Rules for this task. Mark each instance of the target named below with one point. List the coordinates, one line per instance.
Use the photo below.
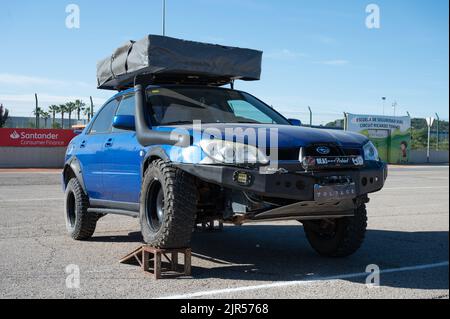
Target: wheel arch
(73, 169)
(153, 155)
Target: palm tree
(62, 110)
(79, 107)
(71, 107)
(45, 116)
(87, 112)
(53, 110)
(4, 113)
(37, 113)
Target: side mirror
(124, 122)
(295, 122)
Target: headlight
(232, 153)
(371, 152)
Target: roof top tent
(164, 60)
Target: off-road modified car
(178, 146)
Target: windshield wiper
(177, 123)
(248, 122)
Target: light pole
(92, 108)
(394, 106)
(345, 121)
(430, 122)
(37, 110)
(437, 128)
(384, 103)
(164, 17)
(310, 116)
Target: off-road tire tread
(180, 206)
(351, 239)
(85, 222)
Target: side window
(103, 122)
(126, 107)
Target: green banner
(390, 134)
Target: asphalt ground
(407, 240)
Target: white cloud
(284, 54)
(26, 80)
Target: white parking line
(29, 200)
(412, 188)
(303, 282)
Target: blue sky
(316, 53)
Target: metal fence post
(36, 111)
(437, 134)
(310, 117)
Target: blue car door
(122, 164)
(91, 151)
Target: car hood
(288, 136)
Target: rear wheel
(339, 237)
(168, 206)
(80, 223)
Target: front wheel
(338, 237)
(168, 206)
(80, 223)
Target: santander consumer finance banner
(35, 138)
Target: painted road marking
(201, 294)
(29, 200)
(412, 188)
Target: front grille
(311, 150)
(352, 151)
(286, 153)
(293, 153)
(335, 150)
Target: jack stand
(145, 253)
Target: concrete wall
(436, 157)
(32, 157)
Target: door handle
(83, 144)
(109, 143)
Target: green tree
(4, 114)
(45, 116)
(53, 110)
(70, 107)
(37, 113)
(63, 111)
(87, 112)
(79, 108)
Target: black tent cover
(165, 60)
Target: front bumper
(293, 182)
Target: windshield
(183, 105)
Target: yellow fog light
(243, 178)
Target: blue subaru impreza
(179, 155)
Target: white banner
(359, 123)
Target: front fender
(73, 168)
